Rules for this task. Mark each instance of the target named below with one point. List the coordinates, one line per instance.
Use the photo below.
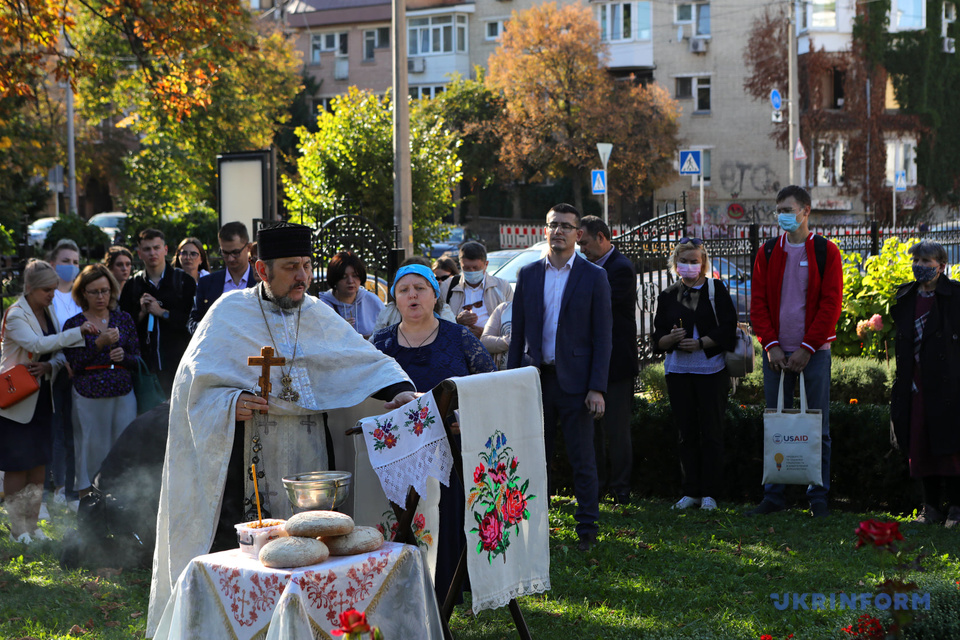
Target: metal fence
(732, 252)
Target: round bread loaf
(316, 524)
(360, 540)
(290, 552)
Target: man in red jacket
(797, 297)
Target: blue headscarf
(420, 270)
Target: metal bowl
(324, 490)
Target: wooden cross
(265, 360)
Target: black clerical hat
(284, 240)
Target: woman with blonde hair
(103, 399)
(31, 336)
(696, 321)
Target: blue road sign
(900, 181)
(598, 178)
(775, 99)
(690, 162)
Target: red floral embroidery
(322, 591)
(248, 598)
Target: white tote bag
(792, 441)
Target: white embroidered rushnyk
(505, 483)
(408, 445)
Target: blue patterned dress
(454, 352)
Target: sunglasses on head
(694, 241)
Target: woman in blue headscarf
(430, 350)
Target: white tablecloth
(231, 595)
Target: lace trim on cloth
(502, 598)
(408, 445)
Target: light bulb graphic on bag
(778, 458)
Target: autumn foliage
(560, 101)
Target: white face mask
(688, 271)
(473, 277)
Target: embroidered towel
(505, 482)
(408, 445)
(372, 509)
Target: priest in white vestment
(216, 429)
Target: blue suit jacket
(624, 361)
(583, 333)
(209, 289)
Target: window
(623, 21)
(907, 15)
(493, 30)
(323, 104)
(824, 14)
(695, 14)
(696, 88)
(904, 154)
(831, 89)
(374, 39)
(426, 91)
(325, 42)
(704, 169)
(436, 34)
(829, 160)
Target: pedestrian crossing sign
(901, 181)
(690, 162)
(598, 178)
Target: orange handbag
(16, 384)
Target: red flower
(424, 412)
(352, 621)
(766, 636)
(478, 474)
(390, 441)
(378, 433)
(880, 534)
(513, 464)
(419, 522)
(418, 428)
(491, 531)
(513, 506)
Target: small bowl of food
(318, 490)
(253, 535)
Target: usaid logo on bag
(787, 439)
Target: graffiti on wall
(736, 176)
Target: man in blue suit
(562, 323)
(235, 249)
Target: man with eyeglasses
(797, 296)
(159, 299)
(562, 323)
(235, 249)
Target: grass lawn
(655, 573)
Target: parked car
(450, 244)
(37, 231)
(738, 283)
(111, 223)
(496, 259)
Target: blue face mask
(788, 221)
(67, 272)
(473, 277)
(924, 273)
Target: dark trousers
(568, 411)
(697, 403)
(936, 488)
(612, 440)
(63, 465)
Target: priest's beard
(285, 302)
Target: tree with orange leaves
(561, 101)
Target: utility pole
(793, 114)
(604, 149)
(71, 153)
(402, 192)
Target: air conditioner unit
(416, 65)
(949, 45)
(698, 45)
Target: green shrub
(653, 382)
(861, 379)
(943, 618)
(93, 242)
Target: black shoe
(765, 508)
(621, 498)
(819, 509)
(586, 542)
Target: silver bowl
(324, 490)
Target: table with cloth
(231, 595)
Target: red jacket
(824, 296)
